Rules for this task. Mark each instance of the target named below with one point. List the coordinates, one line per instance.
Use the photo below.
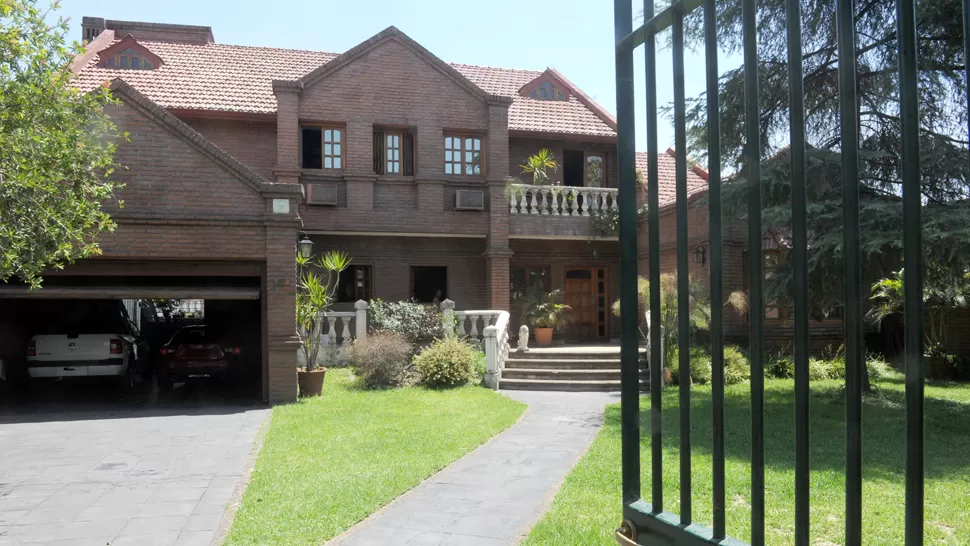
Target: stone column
(497, 251)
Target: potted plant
(545, 312)
(314, 296)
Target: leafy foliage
(418, 323)
(447, 362)
(57, 148)
(941, 295)
(943, 117)
(737, 367)
(538, 166)
(382, 360)
(543, 309)
(700, 308)
(314, 297)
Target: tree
(57, 147)
(945, 182)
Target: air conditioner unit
(469, 200)
(321, 194)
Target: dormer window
(547, 91)
(129, 59)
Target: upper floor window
(547, 91)
(393, 152)
(321, 148)
(129, 59)
(463, 155)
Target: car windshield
(194, 335)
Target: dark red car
(196, 352)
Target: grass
(587, 508)
(329, 462)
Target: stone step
(540, 354)
(575, 364)
(570, 375)
(563, 385)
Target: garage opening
(148, 340)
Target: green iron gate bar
(648, 522)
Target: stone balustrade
(561, 200)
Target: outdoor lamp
(699, 253)
(305, 245)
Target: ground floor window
(355, 284)
(523, 278)
(429, 284)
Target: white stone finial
(523, 338)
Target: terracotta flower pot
(543, 336)
(311, 383)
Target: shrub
(447, 362)
(479, 369)
(418, 323)
(780, 366)
(819, 369)
(382, 359)
(737, 367)
(878, 368)
(700, 366)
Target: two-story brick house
(401, 159)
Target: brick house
(406, 162)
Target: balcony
(529, 204)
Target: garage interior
(229, 302)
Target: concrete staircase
(568, 369)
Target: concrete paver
(141, 477)
(494, 495)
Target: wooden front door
(585, 294)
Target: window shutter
(408, 166)
(378, 152)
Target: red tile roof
(696, 183)
(232, 78)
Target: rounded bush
(819, 369)
(780, 367)
(382, 359)
(700, 366)
(447, 362)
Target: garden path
(495, 494)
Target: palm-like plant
(543, 309)
(314, 296)
(700, 308)
(538, 166)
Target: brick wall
(391, 259)
(252, 142)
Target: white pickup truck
(96, 339)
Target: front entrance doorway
(585, 294)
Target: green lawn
(329, 462)
(587, 508)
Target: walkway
(494, 495)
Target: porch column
(497, 251)
(497, 278)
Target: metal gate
(645, 520)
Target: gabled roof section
(136, 100)
(560, 81)
(667, 168)
(394, 34)
(129, 42)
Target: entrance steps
(595, 368)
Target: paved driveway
(146, 476)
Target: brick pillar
(281, 337)
(287, 131)
(497, 251)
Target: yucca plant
(538, 165)
(315, 294)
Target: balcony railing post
(361, 327)
(491, 357)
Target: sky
(572, 36)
